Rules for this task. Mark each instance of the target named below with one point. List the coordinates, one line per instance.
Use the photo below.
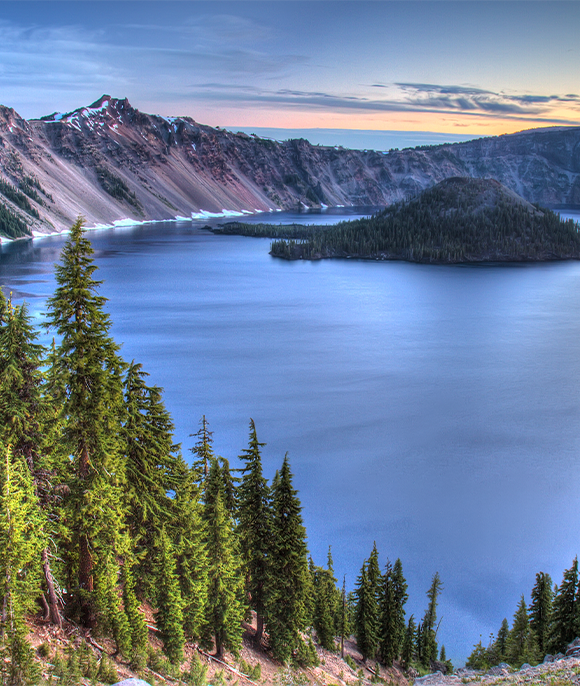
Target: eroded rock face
(108, 161)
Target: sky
(434, 68)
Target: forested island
(130, 557)
(459, 220)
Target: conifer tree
(20, 546)
(169, 615)
(202, 451)
(365, 620)
(388, 636)
(286, 604)
(24, 419)
(110, 615)
(91, 369)
(336, 599)
(428, 626)
(541, 610)
(521, 644)
(225, 610)
(500, 644)
(135, 617)
(189, 533)
(324, 615)
(21, 379)
(255, 527)
(565, 611)
(153, 467)
(409, 644)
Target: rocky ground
(558, 670)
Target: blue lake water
(434, 409)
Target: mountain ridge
(109, 161)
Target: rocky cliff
(110, 161)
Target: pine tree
(135, 617)
(286, 604)
(169, 614)
(91, 372)
(541, 610)
(365, 618)
(224, 611)
(202, 451)
(255, 527)
(24, 419)
(409, 643)
(565, 611)
(189, 533)
(20, 547)
(500, 644)
(521, 644)
(428, 625)
(324, 616)
(388, 637)
(153, 467)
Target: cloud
(468, 99)
(459, 100)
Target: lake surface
(434, 409)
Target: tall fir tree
(190, 536)
(500, 644)
(408, 651)
(429, 649)
(225, 608)
(255, 528)
(153, 466)
(366, 627)
(565, 611)
(521, 643)
(202, 451)
(541, 610)
(90, 369)
(324, 613)
(169, 614)
(286, 604)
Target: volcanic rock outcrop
(109, 162)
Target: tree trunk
(86, 581)
(259, 628)
(54, 614)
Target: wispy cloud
(403, 97)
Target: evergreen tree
(192, 560)
(541, 610)
(428, 625)
(387, 635)
(286, 604)
(169, 615)
(521, 644)
(202, 451)
(153, 467)
(255, 527)
(393, 596)
(110, 616)
(365, 619)
(565, 611)
(24, 419)
(135, 617)
(225, 610)
(21, 406)
(91, 372)
(501, 641)
(324, 617)
(409, 645)
(20, 547)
